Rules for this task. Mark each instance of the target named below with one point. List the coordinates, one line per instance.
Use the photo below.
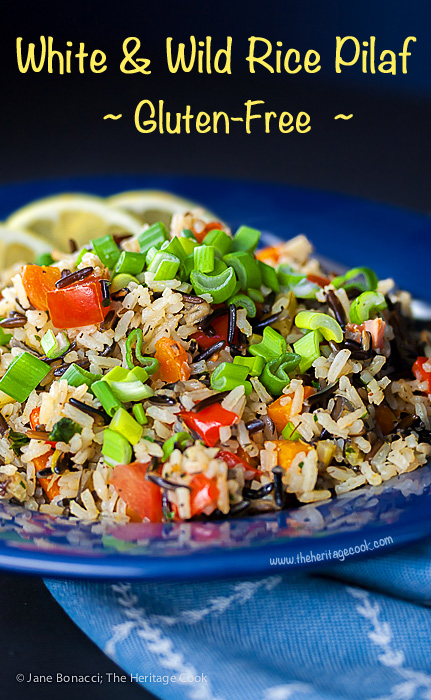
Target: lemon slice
(18, 245)
(65, 216)
(150, 206)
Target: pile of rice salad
(177, 375)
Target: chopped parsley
(64, 430)
(17, 441)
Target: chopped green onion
(75, 376)
(309, 348)
(179, 439)
(256, 295)
(221, 287)
(204, 258)
(149, 255)
(297, 283)
(5, 338)
(44, 259)
(102, 391)
(64, 430)
(174, 247)
(126, 425)
(115, 449)
(153, 236)
(290, 433)
(106, 250)
(254, 365)
(187, 233)
(219, 267)
(228, 376)
(139, 413)
(117, 374)
(272, 345)
(131, 391)
(246, 268)
(188, 245)
(54, 346)
(164, 265)
(275, 375)
(368, 282)
(328, 326)
(149, 363)
(246, 239)
(366, 305)
(130, 263)
(137, 374)
(121, 282)
(244, 302)
(23, 375)
(220, 240)
(269, 276)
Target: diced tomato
(420, 373)
(34, 422)
(280, 412)
(77, 305)
(318, 279)
(174, 365)
(38, 280)
(207, 423)
(232, 460)
(204, 495)
(209, 227)
(40, 463)
(143, 497)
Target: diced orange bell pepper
(40, 463)
(174, 365)
(318, 279)
(287, 451)
(38, 280)
(271, 254)
(280, 413)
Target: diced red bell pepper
(232, 460)
(207, 423)
(220, 326)
(77, 305)
(420, 373)
(38, 280)
(143, 497)
(204, 495)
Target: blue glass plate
(350, 231)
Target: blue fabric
(357, 631)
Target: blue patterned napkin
(357, 630)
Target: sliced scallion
(366, 305)
(130, 263)
(328, 326)
(102, 391)
(23, 375)
(75, 376)
(254, 365)
(228, 376)
(126, 425)
(203, 257)
(106, 250)
(153, 236)
(139, 413)
(272, 345)
(164, 266)
(221, 287)
(116, 449)
(54, 345)
(309, 348)
(246, 239)
(131, 391)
